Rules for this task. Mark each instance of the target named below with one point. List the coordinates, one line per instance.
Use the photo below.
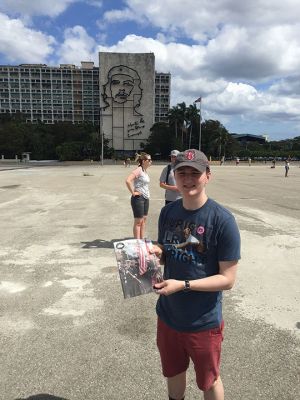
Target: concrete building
(162, 96)
(51, 94)
(70, 93)
(245, 138)
(127, 98)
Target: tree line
(61, 141)
(66, 141)
(183, 132)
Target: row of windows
(59, 71)
(11, 80)
(62, 93)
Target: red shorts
(204, 348)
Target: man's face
(173, 159)
(191, 182)
(121, 86)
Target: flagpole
(199, 100)
(200, 127)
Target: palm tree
(174, 116)
(221, 139)
(183, 121)
(192, 117)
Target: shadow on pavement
(42, 396)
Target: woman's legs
(140, 207)
(143, 227)
(138, 228)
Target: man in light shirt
(168, 182)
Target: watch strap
(187, 286)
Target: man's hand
(168, 287)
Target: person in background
(199, 244)
(167, 180)
(287, 167)
(138, 185)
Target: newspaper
(139, 269)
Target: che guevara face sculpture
(123, 84)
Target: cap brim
(200, 168)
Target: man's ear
(208, 176)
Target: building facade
(127, 94)
(162, 96)
(72, 94)
(51, 94)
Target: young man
(199, 242)
(167, 180)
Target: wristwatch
(187, 286)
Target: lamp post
(102, 138)
(200, 129)
(101, 133)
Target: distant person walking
(237, 161)
(287, 167)
(138, 185)
(273, 163)
(168, 182)
(249, 161)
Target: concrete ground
(65, 329)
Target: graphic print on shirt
(185, 242)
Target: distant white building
(162, 96)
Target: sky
(241, 57)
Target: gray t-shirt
(170, 195)
(141, 182)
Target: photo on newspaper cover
(139, 270)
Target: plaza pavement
(65, 329)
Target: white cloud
(254, 55)
(289, 86)
(223, 97)
(243, 58)
(126, 14)
(35, 7)
(22, 44)
(240, 40)
(95, 3)
(203, 18)
(166, 54)
(77, 46)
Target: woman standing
(138, 185)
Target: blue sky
(242, 58)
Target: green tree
(176, 119)
(193, 121)
(71, 151)
(12, 137)
(161, 140)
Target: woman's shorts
(203, 347)
(140, 206)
